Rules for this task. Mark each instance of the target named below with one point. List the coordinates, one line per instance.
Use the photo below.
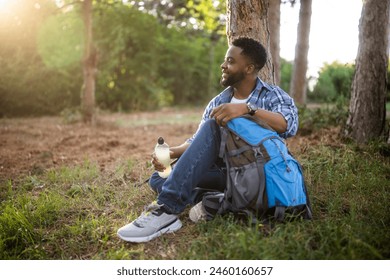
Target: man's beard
(232, 79)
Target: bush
(333, 84)
(311, 120)
(286, 73)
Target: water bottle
(163, 155)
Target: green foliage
(60, 40)
(142, 64)
(286, 68)
(27, 85)
(207, 14)
(128, 66)
(333, 84)
(191, 15)
(311, 120)
(156, 67)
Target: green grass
(74, 212)
(350, 194)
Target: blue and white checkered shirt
(264, 96)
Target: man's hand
(225, 112)
(175, 152)
(158, 166)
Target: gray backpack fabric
(263, 179)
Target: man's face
(234, 67)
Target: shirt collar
(226, 94)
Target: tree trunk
(89, 67)
(274, 28)
(298, 84)
(211, 82)
(367, 111)
(388, 139)
(249, 18)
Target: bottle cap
(160, 140)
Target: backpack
(263, 179)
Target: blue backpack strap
(258, 121)
(251, 130)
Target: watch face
(252, 109)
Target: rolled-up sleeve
(270, 98)
(281, 102)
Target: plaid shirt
(265, 96)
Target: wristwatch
(251, 108)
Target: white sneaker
(197, 213)
(153, 222)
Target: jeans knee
(212, 126)
(211, 122)
(156, 182)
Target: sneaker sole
(171, 228)
(197, 213)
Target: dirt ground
(28, 146)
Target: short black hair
(252, 49)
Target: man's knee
(211, 122)
(156, 182)
(212, 125)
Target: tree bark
(298, 84)
(89, 67)
(249, 18)
(274, 28)
(367, 111)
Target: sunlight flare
(4, 4)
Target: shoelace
(152, 206)
(146, 214)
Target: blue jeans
(199, 168)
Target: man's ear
(250, 69)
